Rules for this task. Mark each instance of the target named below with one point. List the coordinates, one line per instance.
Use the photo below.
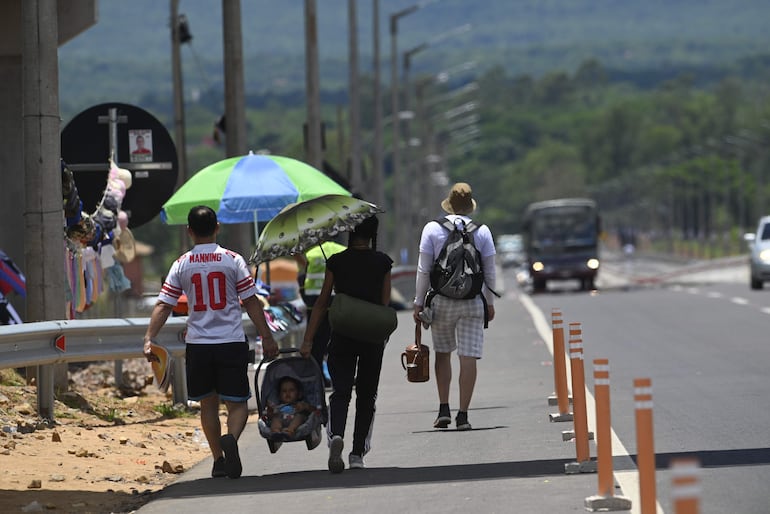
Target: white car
(510, 250)
(759, 258)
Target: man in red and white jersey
(216, 281)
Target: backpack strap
(486, 309)
(445, 222)
(450, 226)
(469, 228)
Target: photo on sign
(140, 145)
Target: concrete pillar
(43, 216)
(69, 19)
(12, 167)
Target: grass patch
(9, 377)
(169, 410)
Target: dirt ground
(108, 450)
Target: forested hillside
(127, 53)
(658, 110)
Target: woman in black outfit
(363, 272)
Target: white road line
(628, 480)
(714, 294)
(766, 310)
(739, 300)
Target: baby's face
(288, 392)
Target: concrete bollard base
(573, 468)
(553, 400)
(607, 503)
(557, 418)
(569, 435)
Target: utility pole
(44, 217)
(235, 108)
(355, 100)
(179, 116)
(312, 93)
(235, 117)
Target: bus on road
(561, 240)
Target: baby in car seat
(288, 415)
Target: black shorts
(218, 368)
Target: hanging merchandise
(11, 281)
(124, 244)
(11, 277)
(97, 242)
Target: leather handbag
(416, 359)
(361, 320)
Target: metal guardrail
(35, 344)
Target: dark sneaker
(219, 468)
(443, 420)
(336, 464)
(462, 421)
(232, 459)
(355, 461)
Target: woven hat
(125, 246)
(460, 200)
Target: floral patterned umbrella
(301, 226)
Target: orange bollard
(584, 463)
(559, 369)
(605, 500)
(645, 449)
(685, 485)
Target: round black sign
(142, 145)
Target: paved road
(512, 461)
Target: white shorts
(458, 325)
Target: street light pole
(394, 109)
(355, 99)
(408, 218)
(379, 182)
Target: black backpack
(457, 271)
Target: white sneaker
(336, 464)
(355, 461)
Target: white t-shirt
(434, 235)
(432, 240)
(214, 279)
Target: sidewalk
(512, 461)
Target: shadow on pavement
(374, 477)
(370, 477)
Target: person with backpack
(455, 296)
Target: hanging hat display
(125, 246)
